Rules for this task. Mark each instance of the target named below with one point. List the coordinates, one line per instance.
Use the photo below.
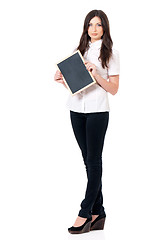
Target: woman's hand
(92, 68)
(59, 78)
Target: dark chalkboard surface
(75, 74)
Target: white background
(42, 175)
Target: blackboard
(76, 76)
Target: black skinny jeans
(90, 130)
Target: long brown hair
(107, 43)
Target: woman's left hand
(91, 67)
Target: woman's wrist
(101, 81)
(96, 76)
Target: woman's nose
(94, 28)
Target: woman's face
(95, 29)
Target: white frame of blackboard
(94, 81)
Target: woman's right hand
(58, 77)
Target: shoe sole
(99, 225)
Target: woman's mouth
(94, 34)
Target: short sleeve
(114, 63)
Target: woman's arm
(110, 86)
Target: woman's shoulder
(115, 55)
(114, 63)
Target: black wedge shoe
(98, 223)
(81, 229)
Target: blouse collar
(96, 44)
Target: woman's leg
(96, 126)
(97, 206)
(78, 121)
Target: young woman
(89, 113)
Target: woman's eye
(99, 25)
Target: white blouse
(95, 98)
